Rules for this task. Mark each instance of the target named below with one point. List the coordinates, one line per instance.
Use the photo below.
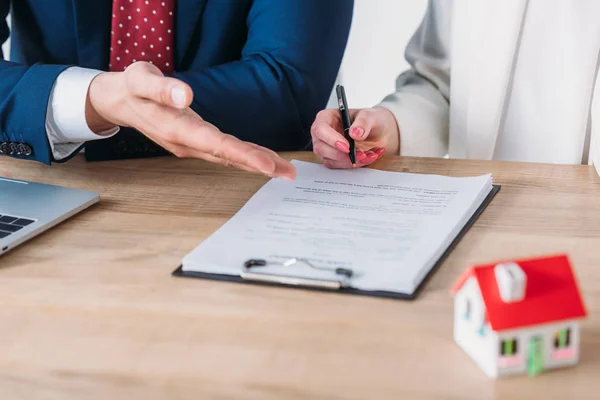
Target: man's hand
(142, 98)
(374, 131)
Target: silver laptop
(28, 209)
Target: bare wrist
(391, 126)
(96, 122)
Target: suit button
(120, 147)
(13, 148)
(4, 148)
(24, 149)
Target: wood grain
(89, 310)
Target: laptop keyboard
(10, 224)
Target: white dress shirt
(66, 124)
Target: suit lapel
(491, 72)
(93, 21)
(186, 21)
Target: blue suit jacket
(260, 69)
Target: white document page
(388, 227)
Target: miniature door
(535, 356)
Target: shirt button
(13, 148)
(4, 148)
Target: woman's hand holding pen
(374, 131)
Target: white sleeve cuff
(66, 124)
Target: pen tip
(353, 165)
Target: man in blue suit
(140, 78)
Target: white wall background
(375, 53)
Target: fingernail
(178, 96)
(358, 132)
(341, 146)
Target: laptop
(28, 209)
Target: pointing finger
(230, 148)
(187, 135)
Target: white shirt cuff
(66, 124)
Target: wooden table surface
(90, 310)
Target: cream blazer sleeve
(421, 100)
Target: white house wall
(480, 348)
(546, 332)
(485, 350)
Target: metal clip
(249, 273)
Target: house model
(519, 317)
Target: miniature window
(508, 347)
(468, 309)
(562, 338)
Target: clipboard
(342, 285)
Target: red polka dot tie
(142, 30)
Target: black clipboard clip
(250, 273)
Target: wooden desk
(90, 310)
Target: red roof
(551, 294)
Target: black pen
(345, 113)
